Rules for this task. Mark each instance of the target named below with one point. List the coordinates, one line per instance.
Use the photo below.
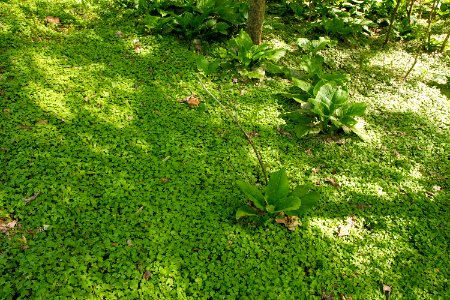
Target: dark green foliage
(138, 192)
(250, 59)
(206, 18)
(327, 111)
(242, 49)
(277, 197)
(312, 70)
(207, 67)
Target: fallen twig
(33, 197)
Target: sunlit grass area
(112, 188)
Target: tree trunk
(255, 20)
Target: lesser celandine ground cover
(110, 188)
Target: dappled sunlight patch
(51, 101)
(116, 115)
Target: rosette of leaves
(277, 198)
(206, 18)
(315, 46)
(328, 111)
(249, 56)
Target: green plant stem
(430, 19)
(444, 43)
(236, 121)
(410, 9)
(416, 58)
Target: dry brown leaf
(164, 180)
(290, 222)
(42, 122)
(309, 152)
(33, 197)
(252, 134)
(386, 288)
(119, 34)
(332, 181)
(315, 170)
(197, 45)
(53, 20)
(137, 48)
(437, 188)
(193, 101)
(147, 275)
(5, 227)
(26, 127)
(429, 194)
(344, 230)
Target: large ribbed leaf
(245, 211)
(326, 93)
(308, 201)
(291, 202)
(253, 194)
(278, 187)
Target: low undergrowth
(111, 188)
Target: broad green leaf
(303, 85)
(245, 211)
(202, 64)
(278, 187)
(301, 190)
(275, 54)
(305, 44)
(222, 27)
(356, 109)
(348, 121)
(275, 68)
(337, 77)
(151, 22)
(308, 201)
(319, 108)
(336, 122)
(312, 64)
(301, 130)
(288, 203)
(340, 97)
(207, 67)
(294, 116)
(253, 194)
(326, 93)
(361, 133)
(318, 85)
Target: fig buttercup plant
(277, 198)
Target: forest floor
(111, 188)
